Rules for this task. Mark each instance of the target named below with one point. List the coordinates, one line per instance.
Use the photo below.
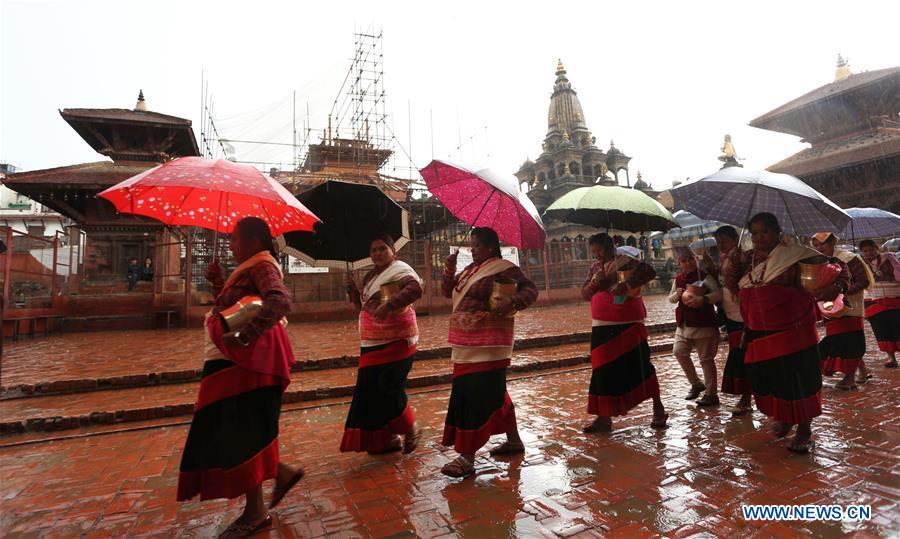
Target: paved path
(690, 479)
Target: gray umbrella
(870, 223)
(689, 225)
(891, 245)
(733, 195)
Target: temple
(570, 158)
(133, 140)
(853, 128)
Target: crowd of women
(770, 319)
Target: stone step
(61, 412)
(180, 376)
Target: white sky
(665, 80)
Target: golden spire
(843, 69)
(140, 106)
(560, 68)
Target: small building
(19, 212)
(853, 128)
(132, 140)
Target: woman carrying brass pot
(232, 446)
(481, 337)
(388, 333)
(622, 375)
(844, 345)
(882, 301)
(781, 351)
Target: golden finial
(560, 68)
(140, 106)
(843, 69)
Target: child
(697, 328)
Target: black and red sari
(380, 410)
(844, 345)
(472, 421)
(782, 352)
(883, 315)
(734, 376)
(622, 375)
(232, 445)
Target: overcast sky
(665, 80)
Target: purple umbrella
(733, 195)
(870, 223)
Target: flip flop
(737, 411)
(458, 467)
(508, 448)
(237, 531)
(891, 364)
(801, 448)
(845, 386)
(411, 441)
(602, 426)
(281, 490)
(864, 379)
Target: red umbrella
(193, 191)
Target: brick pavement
(121, 353)
(686, 481)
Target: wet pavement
(121, 353)
(689, 480)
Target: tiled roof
(854, 81)
(124, 115)
(868, 146)
(97, 174)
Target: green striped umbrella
(608, 207)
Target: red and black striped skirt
(734, 377)
(784, 370)
(380, 410)
(623, 376)
(479, 405)
(884, 317)
(844, 345)
(232, 445)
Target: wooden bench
(32, 324)
(168, 314)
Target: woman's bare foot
(780, 429)
(411, 440)
(287, 477)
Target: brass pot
(503, 288)
(623, 277)
(815, 273)
(236, 316)
(389, 291)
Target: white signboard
(295, 265)
(465, 256)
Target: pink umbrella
(486, 198)
(193, 191)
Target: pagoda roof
(96, 175)
(782, 118)
(845, 151)
(169, 136)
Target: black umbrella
(351, 214)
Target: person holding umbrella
(844, 344)
(379, 412)
(781, 341)
(882, 300)
(623, 376)
(232, 445)
(481, 336)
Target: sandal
(411, 440)
(863, 378)
(739, 410)
(659, 421)
(239, 529)
(708, 400)
(458, 467)
(802, 447)
(280, 491)
(508, 448)
(598, 426)
(892, 364)
(845, 386)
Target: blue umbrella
(870, 223)
(733, 195)
(689, 225)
